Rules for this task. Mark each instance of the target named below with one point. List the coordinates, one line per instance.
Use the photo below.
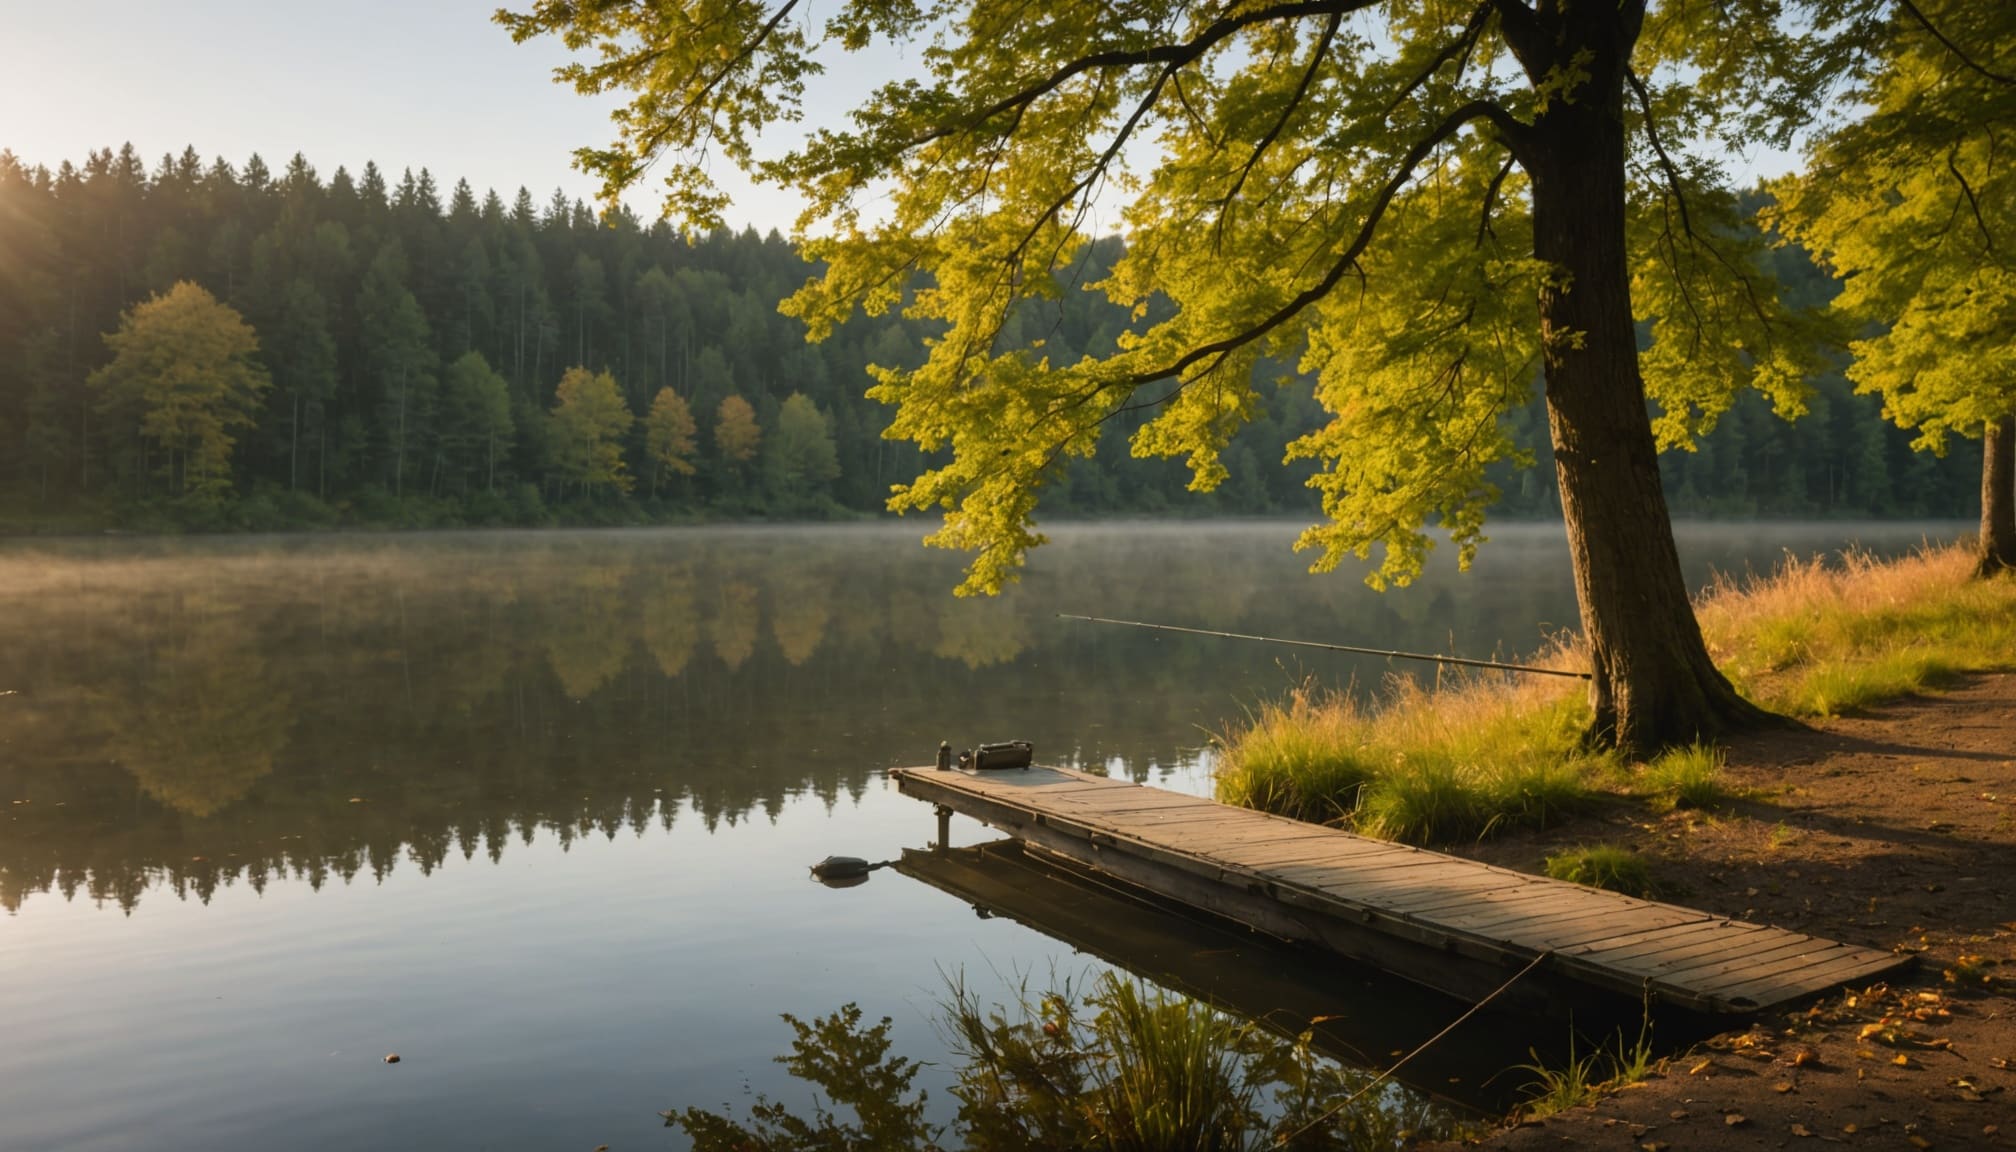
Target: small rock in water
(392, 1058)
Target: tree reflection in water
(197, 713)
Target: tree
(1914, 208)
(801, 459)
(303, 358)
(398, 349)
(1422, 205)
(187, 366)
(669, 434)
(476, 423)
(736, 434)
(588, 422)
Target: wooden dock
(1454, 924)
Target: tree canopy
(1427, 207)
(1299, 148)
(589, 421)
(83, 243)
(185, 375)
(1914, 209)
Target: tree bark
(1653, 683)
(1998, 497)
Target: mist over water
(533, 809)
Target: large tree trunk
(1998, 500)
(1653, 685)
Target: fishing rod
(1390, 654)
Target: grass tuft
(1584, 1079)
(1429, 765)
(1603, 866)
(1687, 777)
(1300, 758)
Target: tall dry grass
(1423, 764)
(1475, 754)
(1819, 637)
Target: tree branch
(1280, 122)
(1958, 53)
(1218, 350)
(1171, 55)
(1973, 203)
(1680, 199)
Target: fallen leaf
(1802, 1056)
(1902, 1061)
(1800, 1130)
(1782, 1086)
(1735, 1119)
(1848, 1129)
(1919, 1142)
(1703, 1066)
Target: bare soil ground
(1895, 829)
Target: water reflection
(215, 712)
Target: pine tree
(398, 351)
(476, 424)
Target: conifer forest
(384, 351)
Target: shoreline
(1893, 828)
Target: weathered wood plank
(1792, 986)
(1710, 937)
(1328, 886)
(1678, 963)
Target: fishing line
(1390, 654)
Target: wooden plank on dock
(1322, 884)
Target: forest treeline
(413, 356)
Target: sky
(428, 83)
(420, 83)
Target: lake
(534, 810)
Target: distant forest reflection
(193, 714)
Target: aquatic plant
(1580, 1080)
(1125, 1067)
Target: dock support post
(944, 831)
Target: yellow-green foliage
(1818, 637)
(1911, 205)
(589, 422)
(1603, 866)
(185, 374)
(1428, 765)
(1342, 190)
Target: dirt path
(1897, 830)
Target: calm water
(534, 810)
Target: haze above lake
(534, 809)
